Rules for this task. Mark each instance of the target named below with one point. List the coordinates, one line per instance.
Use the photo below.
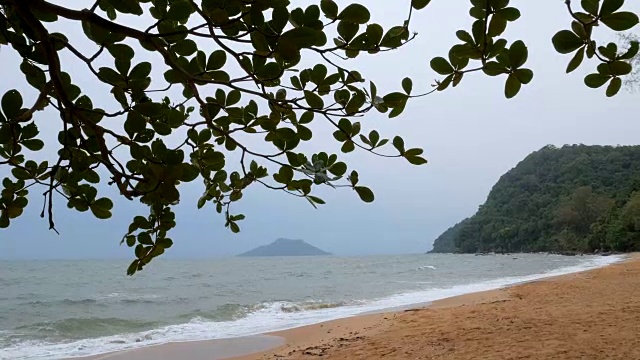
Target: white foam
(268, 318)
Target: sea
(61, 309)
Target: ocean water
(60, 309)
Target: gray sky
(471, 136)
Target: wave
(79, 328)
(103, 300)
(251, 319)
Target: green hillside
(572, 199)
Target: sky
(471, 135)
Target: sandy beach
(588, 315)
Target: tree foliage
(573, 199)
(632, 81)
(237, 65)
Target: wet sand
(589, 315)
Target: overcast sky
(471, 136)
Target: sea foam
(270, 317)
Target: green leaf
(216, 60)
(329, 9)
(419, 4)
(355, 13)
(620, 21)
(576, 60)
(398, 143)
(365, 193)
(185, 47)
(441, 66)
(100, 213)
(566, 42)
(591, 6)
(518, 54)
(416, 160)
(374, 33)
(33, 144)
(141, 70)
(127, 6)
(634, 47)
(610, 6)
(614, 87)
(509, 14)
(164, 243)
(11, 103)
(620, 68)
(596, 80)
(179, 11)
(104, 203)
(524, 75)
(407, 85)
(512, 86)
(313, 99)
(110, 76)
(497, 26)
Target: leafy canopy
(245, 83)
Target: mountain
(286, 247)
(576, 199)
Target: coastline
(321, 338)
(592, 314)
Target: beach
(592, 314)
(588, 315)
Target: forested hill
(572, 199)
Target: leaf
(620, 21)
(441, 66)
(11, 103)
(620, 68)
(512, 86)
(104, 203)
(407, 85)
(355, 13)
(127, 6)
(216, 60)
(497, 26)
(634, 47)
(179, 10)
(566, 42)
(510, 13)
(365, 193)
(610, 6)
(100, 213)
(164, 243)
(141, 70)
(524, 75)
(518, 54)
(329, 9)
(313, 99)
(302, 37)
(416, 160)
(576, 60)
(614, 87)
(591, 6)
(33, 144)
(419, 4)
(185, 47)
(374, 33)
(398, 143)
(596, 80)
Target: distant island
(285, 247)
(574, 199)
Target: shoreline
(462, 327)
(351, 326)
